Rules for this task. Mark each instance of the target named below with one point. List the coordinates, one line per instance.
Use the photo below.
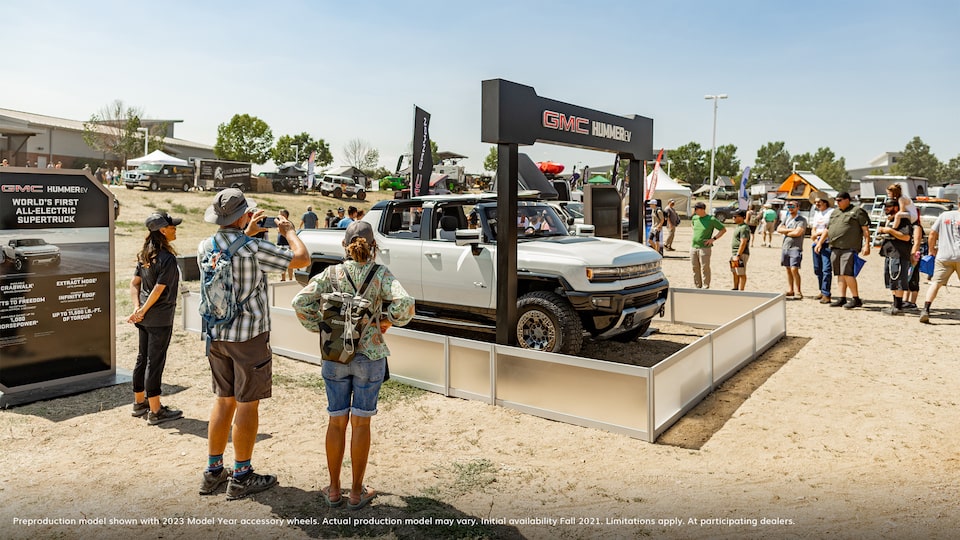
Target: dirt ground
(842, 430)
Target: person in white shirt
(822, 208)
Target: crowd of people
(238, 347)
(840, 237)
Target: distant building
(38, 140)
(878, 165)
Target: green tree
(377, 172)
(951, 170)
(824, 163)
(490, 162)
(114, 129)
(773, 163)
(725, 162)
(434, 151)
(298, 147)
(917, 160)
(244, 138)
(689, 163)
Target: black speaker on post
(602, 207)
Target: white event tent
(667, 189)
(157, 156)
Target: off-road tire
(546, 321)
(19, 264)
(361, 195)
(337, 193)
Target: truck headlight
(617, 273)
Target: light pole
(146, 139)
(296, 153)
(713, 145)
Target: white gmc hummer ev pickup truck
(443, 250)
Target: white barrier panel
(638, 401)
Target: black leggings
(151, 358)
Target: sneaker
(251, 483)
(165, 414)
(909, 305)
(825, 300)
(924, 316)
(211, 481)
(140, 409)
(837, 302)
(891, 310)
(853, 303)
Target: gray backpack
(344, 316)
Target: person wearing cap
(740, 246)
(821, 260)
(335, 219)
(153, 290)
(352, 389)
(896, 235)
(351, 217)
(672, 221)
(793, 229)
(309, 219)
(655, 236)
(239, 352)
(704, 226)
(848, 231)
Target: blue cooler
(926, 265)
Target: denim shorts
(791, 257)
(353, 388)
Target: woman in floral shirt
(352, 389)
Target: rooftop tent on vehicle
(291, 170)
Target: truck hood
(590, 251)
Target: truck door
(400, 247)
(452, 274)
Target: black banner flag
(422, 153)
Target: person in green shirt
(703, 239)
(741, 250)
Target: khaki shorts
(242, 370)
(742, 269)
(768, 226)
(942, 270)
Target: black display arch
(513, 114)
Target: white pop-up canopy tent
(667, 189)
(157, 156)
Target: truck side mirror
(466, 237)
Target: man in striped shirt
(239, 353)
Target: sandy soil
(842, 430)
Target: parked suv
(930, 211)
(724, 213)
(157, 176)
(340, 186)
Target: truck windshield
(150, 167)
(31, 242)
(533, 221)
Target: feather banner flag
(311, 163)
(743, 197)
(652, 186)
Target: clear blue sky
(862, 77)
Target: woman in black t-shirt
(153, 290)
